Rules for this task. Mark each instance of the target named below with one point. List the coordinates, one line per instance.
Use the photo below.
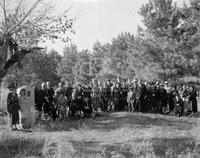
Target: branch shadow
(138, 148)
(112, 121)
(173, 146)
(21, 147)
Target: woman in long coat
(116, 96)
(13, 107)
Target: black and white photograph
(99, 78)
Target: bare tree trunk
(2, 96)
(1, 104)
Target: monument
(27, 105)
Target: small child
(178, 106)
(130, 100)
(62, 105)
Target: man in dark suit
(50, 99)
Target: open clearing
(111, 135)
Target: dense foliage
(166, 48)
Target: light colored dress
(130, 97)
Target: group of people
(95, 97)
(108, 96)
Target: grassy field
(113, 135)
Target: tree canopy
(166, 48)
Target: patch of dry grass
(127, 135)
(111, 135)
(19, 144)
(20, 147)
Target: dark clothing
(87, 92)
(116, 92)
(116, 98)
(87, 110)
(172, 97)
(77, 103)
(124, 97)
(193, 99)
(50, 103)
(162, 99)
(87, 104)
(50, 95)
(140, 98)
(148, 99)
(79, 94)
(81, 102)
(45, 106)
(154, 97)
(178, 107)
(13, 107)
(39, 99)
(68, 94)
(184, 93)
(105, 97)
(96, 98)
(106, 92)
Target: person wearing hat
(13, 107)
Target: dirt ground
(112, 135)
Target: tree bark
(1, 79)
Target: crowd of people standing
(135, 96)
(95, 97)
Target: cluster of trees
(22, 25)
(167, 47)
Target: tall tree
(174, 32)
(23, 23)
(68, 62)
(36, 68)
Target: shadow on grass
(96, 149)
(176, 146)
(20, 147)
(112, 121)
(137, 148)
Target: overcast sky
(101, 20)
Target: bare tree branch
(14, 17)
(25, 16)
(35, 21)
(5, 13)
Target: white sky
(101, 20)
